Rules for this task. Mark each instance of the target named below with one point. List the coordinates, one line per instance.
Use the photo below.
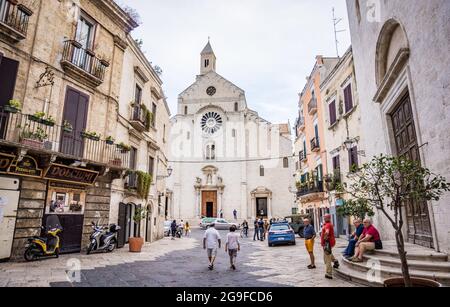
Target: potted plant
(123, 147)
(13, 106)
(33, 138)
(90, 135)
(109, 140)
(49, 121)
(136, 243)
(388, 184)
(67, 127)
(37, 117)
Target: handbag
(327, 248)
(378, 244)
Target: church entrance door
(261, 207)
(209, 203)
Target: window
(206, 62)
(236, 107)
(353, 158)
(332, 109)
(319, 170)
(336, 163)
(210, 152)
(348, 98)
(304, 149)
(151, 166)
(185, 110)
(261, 171)
(164, 133)
(154, 115)
(233, 133)
(138, 95)
(132, 177)
(285, 163)
(85, 32)
(296, 166)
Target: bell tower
(208, 60)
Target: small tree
(139, 215)
(389, 184)
(356, 208)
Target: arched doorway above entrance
(261, 198)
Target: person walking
(261, 229)
(256, 234)
(328, 241)
(173, 228)
(266, 228)
(310, 235)
(232, 246)
(235, 214)
(221, 213)
(245, 228)
(211, 242)
(187, 229)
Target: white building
(401, 63)
(224, 156)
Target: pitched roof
(208, 49)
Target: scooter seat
(41, 238)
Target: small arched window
(285, 162)
(236, 107)
(185, 110)
(261, 171)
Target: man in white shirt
(211, 242)
(232, 246)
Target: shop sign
(64, 173)
(65, 185)
(27, 167)
(5, 162)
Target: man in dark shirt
(310, 235)
(256, 234)
(350, 250)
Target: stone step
(421, 255)
(389, 271)
(424, 265)
(356, 277)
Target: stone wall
(29, 213)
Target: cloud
(266, 47)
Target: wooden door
(209, 203)
(417, 215)
(122, 223)
(75, 112)
(8, 76)
(261, 207)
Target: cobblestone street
(180, 262)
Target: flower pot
(135, 244)
(11, 109)
(48, 123)
(399, 282)
(109, 142)
(35, 118)
(68, 129)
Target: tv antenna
(336, 22)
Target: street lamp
(169, 173)
(348, 144)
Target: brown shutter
(332, 108)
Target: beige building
(342, 131)
(61, 68)
(401, 61)
(310, 147)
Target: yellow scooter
(39, 247)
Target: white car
(223, 224)
(167, 228)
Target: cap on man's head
(327, 217)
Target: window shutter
(332, 108)
(348, 98)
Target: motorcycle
(179, 232)
(103, 240)
(48, 245)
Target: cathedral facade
(226, 159)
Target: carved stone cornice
(120, 43)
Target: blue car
(281, 233)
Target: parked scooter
(179, 232)
(48, 245)
(103, 240)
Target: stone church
(225, 157)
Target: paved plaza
(180, 262)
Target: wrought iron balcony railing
(315, 144)
(83, 63)
(317, 187)
(32, 133)
(14, 19)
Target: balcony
(311, 191)
(140, 118)
(312, 106)
(38, 135)
(315, 144)
(302, 156)
(332, 181)
(300, 125)
(14, 20)
(82, 63)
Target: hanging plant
(90, 135)
(67, 127)
(143, 184)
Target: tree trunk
(404, 262)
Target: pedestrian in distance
(256, 234)
(310, 235)
(261, 229)
(235, 214)
(221, 213)
(173, 229)
(266, 228)
(232, 246)
(328, 242)
(245, 228)
(211, 242)
(187, 229)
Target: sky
(265, 47)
